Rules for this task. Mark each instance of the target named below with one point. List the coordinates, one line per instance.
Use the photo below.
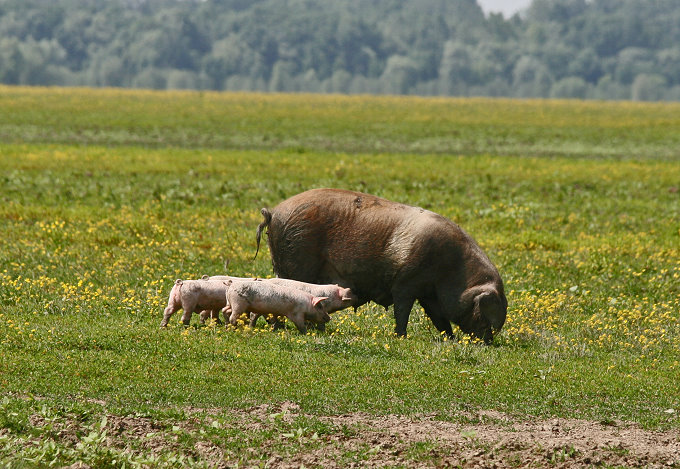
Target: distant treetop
(599, 49)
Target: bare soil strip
(497, 442)
(492, 440)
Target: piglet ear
(318, 299)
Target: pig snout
(320, 309)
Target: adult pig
(389, 253)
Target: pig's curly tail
(265, 224)
(176, 293)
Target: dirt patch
(497, 441)
(358, 440)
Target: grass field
(108, 196)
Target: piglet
(338, 297)
(214, 314)
(206, 296)
(267, 298)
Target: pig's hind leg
(212, 314)
(238, 307)
(189, 308)
(171, 309)
(215, 314)
(204, 315)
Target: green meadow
(108, 196)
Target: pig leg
(169, 311)
(402, 310)
(239, 307)
(434, 312)
(188, 307)
(174, 303)
(273, 321)
(226, 311)
(235, 314)
(204, 315)
(212, 314)
(449, 302)
(299, 321)
(277, 323)
(215, 314)
(253, 319)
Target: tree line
(597, 49)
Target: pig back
(360, 241)
(265, 297)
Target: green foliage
(424, 47)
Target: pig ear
(318, 299)
(491, 306)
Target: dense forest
(598, 49)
